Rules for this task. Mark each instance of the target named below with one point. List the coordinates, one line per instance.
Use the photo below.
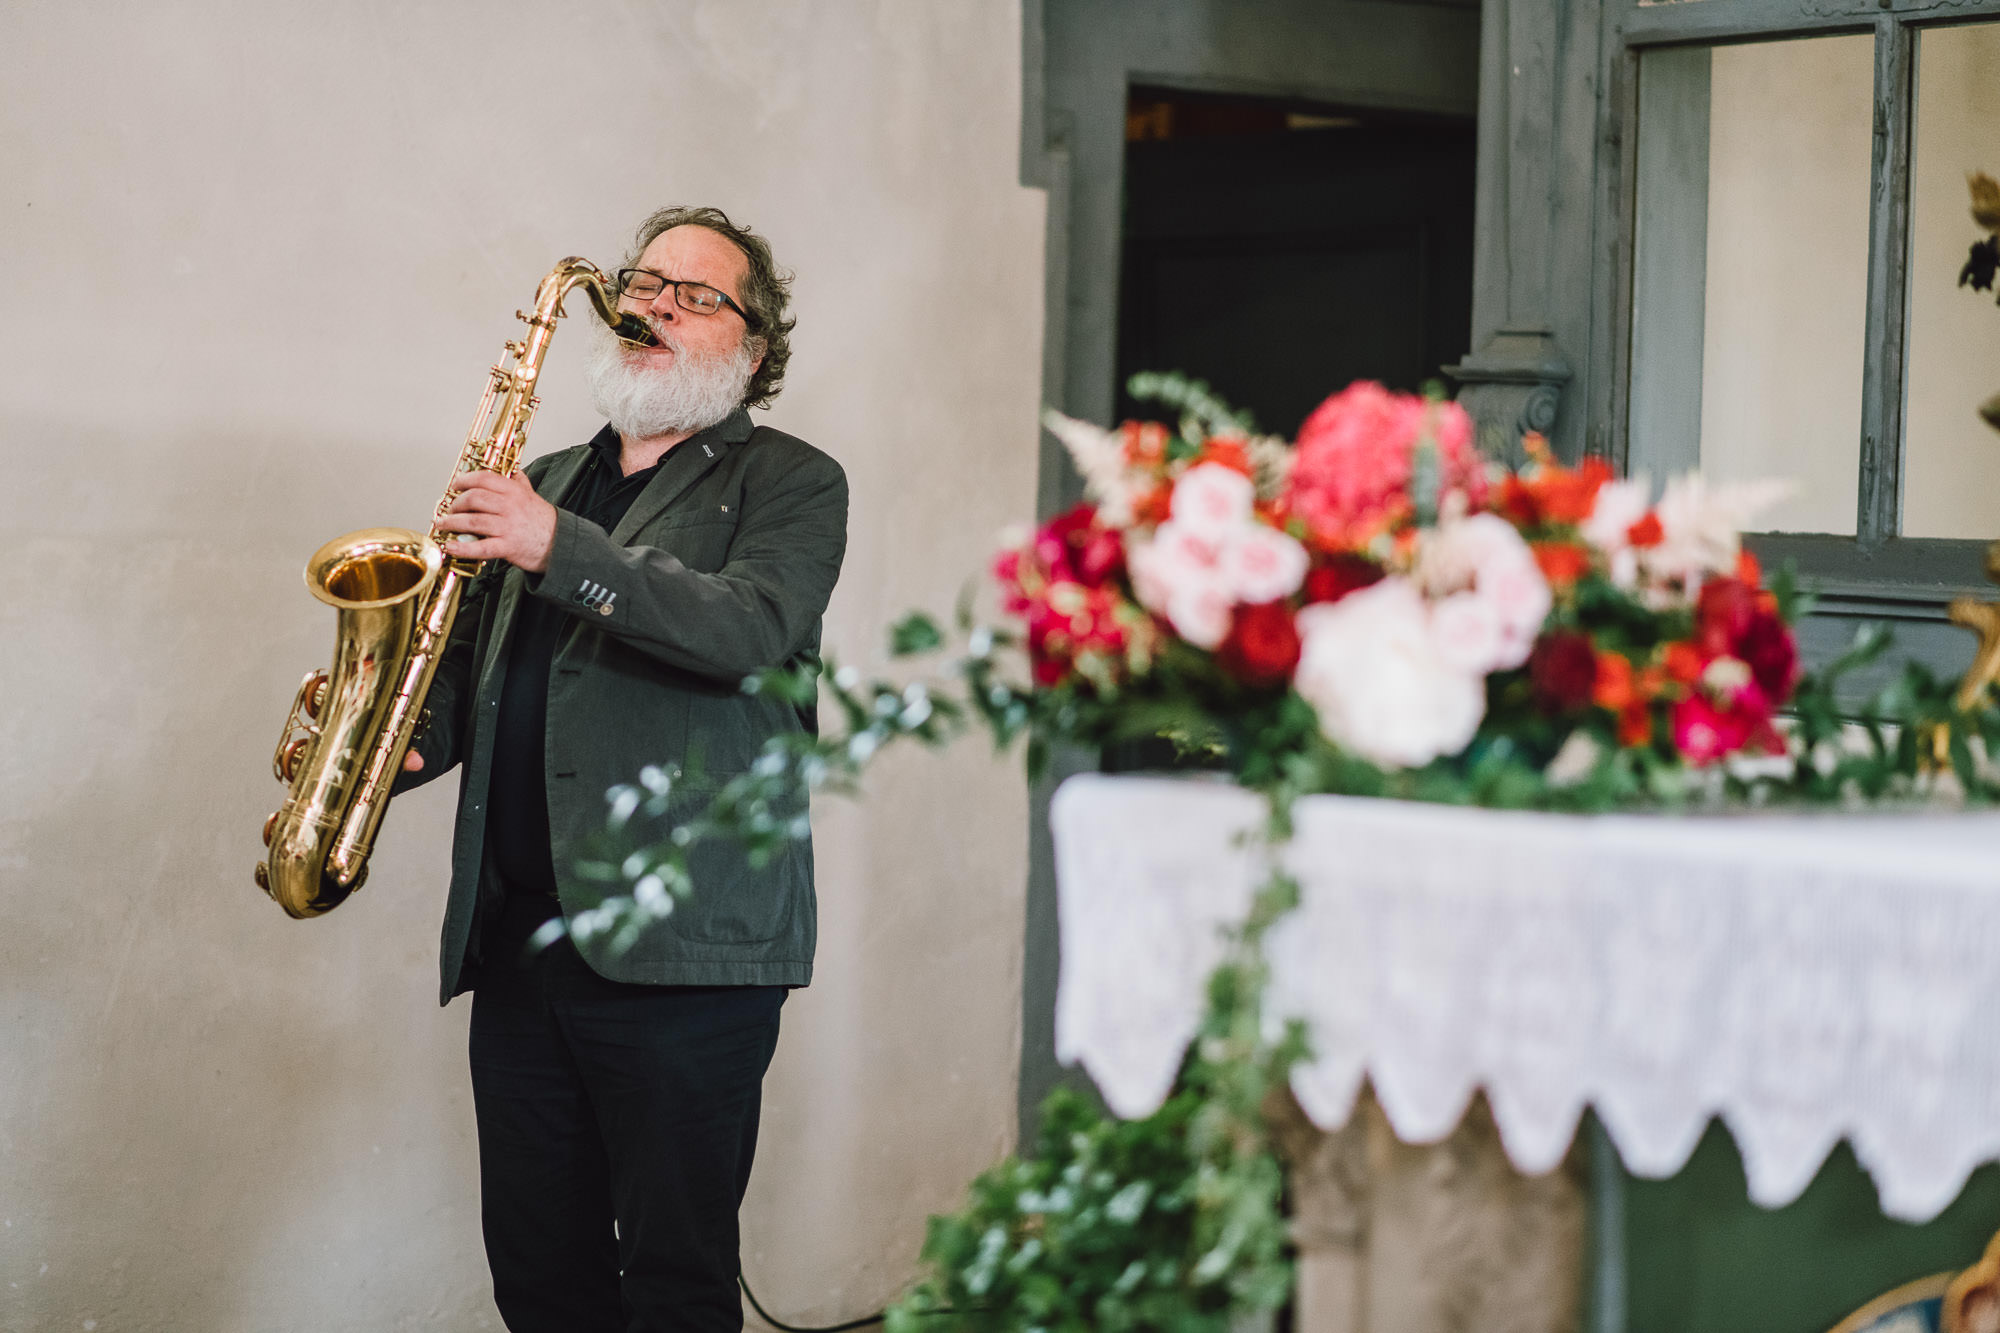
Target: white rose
(1466, 628)
(1521, 600)
(1454, 553)
(1370, 667)
(1212, 499)
(1261, 564)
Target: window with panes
(1794, 194)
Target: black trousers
(602, 1104)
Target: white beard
(643, 402)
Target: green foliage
(1170, 1222)
(1203, 413)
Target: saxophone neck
(572, 273)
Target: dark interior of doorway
(1280, 249)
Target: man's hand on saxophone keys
(505, 517)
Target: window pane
(1750, 280)
(1951, 469)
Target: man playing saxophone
(629, 585)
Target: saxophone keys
(263, 876)
(312, 694)
(289, 758)
(270, 831)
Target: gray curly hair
(767, 291)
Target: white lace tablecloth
(1805, 977)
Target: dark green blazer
(714, 573)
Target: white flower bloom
(1701, 528)
(1485, 556)
(1099, 456)
(1726, 675)
(1619, 505)
(1370, 667)
(1521, 598)
(1175, 556)
(1212, 499)
(1466, 628)
(1455, 552)
(1262, 564)
(1199, 611)
(1574, 761)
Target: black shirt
(517, 823)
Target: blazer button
(604, 610)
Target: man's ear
(758, 347)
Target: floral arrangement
(1377, 610)
(1444, 620)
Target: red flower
(1333, 577)
(1722, 613)
(1646, 532)
(1562, 563)
(1070, 621)
(1263, 644)
(1613, 689)
(1073, 547)
(1635, 725)
(1772, 654)
(1682, 663)
(1734, 618)
(1145, 443)
(1705, 730)
(1553, 494)
(1232, 453)
(1563, 669)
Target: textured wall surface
(258, 257)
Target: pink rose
(1210, 499)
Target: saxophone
(395, 595)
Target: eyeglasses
(642, 284)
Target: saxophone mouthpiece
(634, 330)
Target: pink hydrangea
(1350, 478)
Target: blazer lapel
(562, 474)
(671, 483)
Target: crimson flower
(1263, 644)
(1563, 670)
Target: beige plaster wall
(257, 256)
(1951, 481)
(1787, 289)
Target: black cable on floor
(765, 1315)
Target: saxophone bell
(396, 594)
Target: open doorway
(1280, 249)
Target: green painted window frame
(1876, 572)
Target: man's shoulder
(773, 451)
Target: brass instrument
(396, 594)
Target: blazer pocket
(731, 903)
(701, 545)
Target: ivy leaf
(914, 634)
